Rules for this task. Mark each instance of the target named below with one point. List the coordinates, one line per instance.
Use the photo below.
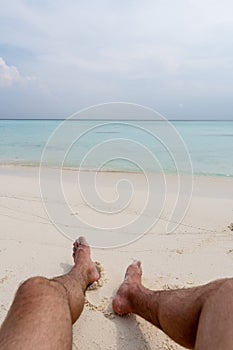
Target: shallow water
(133, 146)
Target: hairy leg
(183, 314)
(43, 310)
(215, 329)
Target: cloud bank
(176, 57)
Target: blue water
(120, 146)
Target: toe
(138, 264)
(134, 267)
(82, 241)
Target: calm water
(120, 146)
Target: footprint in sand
(105, 305)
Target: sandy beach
(198, 251)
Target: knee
(223, 293)
(227, 287)
(33, 285)
(41, 287)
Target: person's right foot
(123, 302)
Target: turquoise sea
(119, 146)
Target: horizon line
(108, 119)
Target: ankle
(127, 298)
(136, 294)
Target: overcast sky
(58, 56)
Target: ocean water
(133, 146)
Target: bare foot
(83, 265)
(123, 302)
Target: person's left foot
(83, 263)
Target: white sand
(200, 249)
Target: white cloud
(8, 74)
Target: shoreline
(76, 169)
(203, 186)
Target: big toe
(134, 270)
(82, 241)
